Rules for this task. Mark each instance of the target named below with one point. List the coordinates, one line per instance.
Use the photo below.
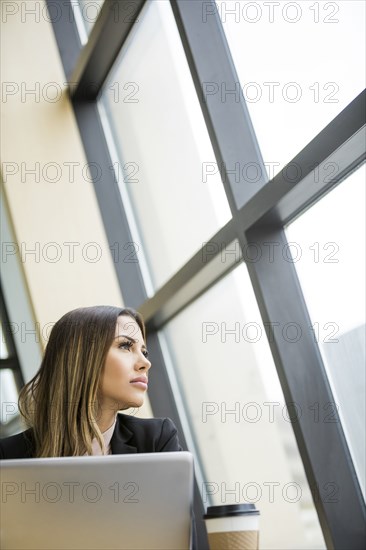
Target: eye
(145, 353)
(125, 345)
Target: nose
(143, 363)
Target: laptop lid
(135, 501)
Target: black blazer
(131, 435)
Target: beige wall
(37, 130)
(57, 203)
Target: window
(20, 350)
(167, 168)
(10, 377)
(4, 354)
(329, 258)
(86, 13)
(8, 396)
(238, 413)
(171, 215)
(295, 72)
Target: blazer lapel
(120, 438)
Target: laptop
(135, 501)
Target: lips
(142, 379)
(140, 383)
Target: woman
(96, 364)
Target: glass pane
(299, 64)
(168, 165)
(89, 11)
(331, 269)
(3, 347)
(8, 396)
(238, 414)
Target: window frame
(10, 362)
(259, 215)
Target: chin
(131, 404)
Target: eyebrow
(125, 336)
(131, 339)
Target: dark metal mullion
(69, 44)
(291, 181)
(167, 297)
(266, 205)
(7, 334)
(12, 361)
(110, 203)
(106, 39)
(163, 403)
(226, 114)
(8, 363)
(322, 445)
(86, 68)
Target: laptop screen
(135, 501)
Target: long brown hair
(61, 402)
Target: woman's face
(125, 375)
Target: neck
(106, 419)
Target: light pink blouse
(107, 436)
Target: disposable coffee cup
(233, 527)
